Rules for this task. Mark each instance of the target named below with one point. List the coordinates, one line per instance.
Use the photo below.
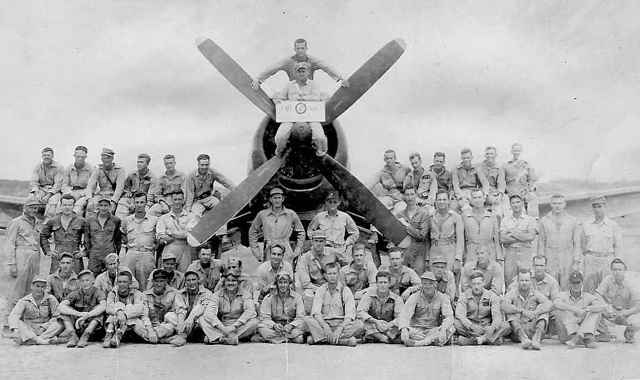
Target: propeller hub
(301, 134)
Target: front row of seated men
(163, 314)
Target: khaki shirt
(601, 238)
(60, 289)
(548, 286)
(404, 280)
(226, 309)
(159, 305)
(199, 303)
(210, 276)
(493, 276)
(133, 305)
(22, 233)
(421, 312)
(29, 310)
(519, 176)
(147, 184)
(49, 178)
(274, 310)
(621, 296)
(534, 301)
(141, 234)
(103, 178)
(495, 177)
(337, 304)
(310, 267)
(468, 178)
(198, 185)
(483, 311)
(371, 306)
(334, 227)
(523, 223)
(75, 179)
(357, 280)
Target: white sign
(296, 111)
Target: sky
(559, 77)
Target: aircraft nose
(300, 133)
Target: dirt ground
(614, 360)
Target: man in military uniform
(416, 220)
(209, 270)
(492, 273)
(64, 280)
(335, 223)
(423, 181)
(310, 266)
(160, 302)
(141, 181)
(282, 313)
(191, 303)
(447, 234)
(390, 178)
(403, 280)
(139, 238)
(466, 178)
(107, 280)
(379, 310)
(517, 232)
(173, 277)
(201, 195)
(169, 183)
(102, 235)
(495, 199)
(267, 271)
(106, 181)
(481, 230)
(174, 227)
(359, 275)
(520, 178)
(46, 183)
(76, 179)
(67, 229)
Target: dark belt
(204, 195)
(441, 242)
(77, 188)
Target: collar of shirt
(386, 169)
(146, 176)
(240, 293)
(182, 213)
(434, 170)
(56, 274)
(167, 290)
(28, 220)
(185, 291)
(32, 299)
(284, 211)
(486, 214)
(54, 164)
(85, 167)
(209, 172)
(113, 167)
(446, 276)
(390, 294)
(353, 270)
(488, 164)
(605, 222)
(176, 174)
(485, 294)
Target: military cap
(438, 259)
(158, 273)
(575, 277)
(598, 200)
(302, 65)
(65, 254)
(516, 196)
(191, 271)
(168, 254)
(332, 195)
(82, 148)
(276, 190)
(108, 152)
(39, 278)
(318, 234)
(31, 202)
(429, 276)
(111, 258)
(476, 274)
(104, 198)
(85, 271)
(47, 149)
(618, 260)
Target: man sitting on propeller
(302, 89)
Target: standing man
(467, 177)
(403, 280)
(577, 314)
(426, 317)
(492, 273)
(32, 320)
(521, 179)
(46, 183)
(527, 312)
(102, 235)
(191, 303)
(495, 177)
(277, 223)
(447, 234)
(139, 238)
(481, 230)
(107, 180)
(380, 310)
(22, 248)
(67, 229)
(142, 181)
(82, 311)
(442, 176)
(559, 241)
(288, 65)
(267, 272)
(601, 241)
(310, 266)
(416, 220)
(478, 315)
(170, 182)
(333, 315)
(282, 313)
(201, 195)
(301, 89)
(517, 231)
(423, 181)
(334, 223)
(209, 270)
(173, 229)
(622, 299)
(359, 275)
(390, 178)
(76, 179)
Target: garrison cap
(111, 258)
(438, 259)
(516, 196)
(598, 200)
(318, 234)
(429, 276)
(333, 195)
(39, 278)
(302, 65)
(276, 190)
(167, 254)
(85, 271)
(191, 271)
(31, 202)
(575, 277)
(108, 152)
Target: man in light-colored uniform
(46, 183)
(517, 232)
(173, 228)
(521, 179)
(107, 180)
(334, 223)
(390, 178)
(170, 182)
(140, 181)
(76, 179)
(423, 181)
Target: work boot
(73, 340)
(178, 341)
(351, 342)
(84, 340)
(257, 338)
(535, 342)
(116, 339)
(41, 342)
(106, 343)
(573, 342)
(464, 341)
(629, 335)
(310, 340)
(589, 341)
(525, 342)
(299, 339)
(231, 341)
(321, 146)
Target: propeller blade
(230, 205)
(236, 75)
(363, 79)
(362, 199)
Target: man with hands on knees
(191, 303)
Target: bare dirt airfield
(614, 360)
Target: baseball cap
(85, 271)
(332, 195)
(111, 258)
(276, 190)
(39, 278)
(191, 271)
(575, 277)
(429, 276)
(318, 234)
(438, 259)
(598, 200)
(32, 202)
(168, 254)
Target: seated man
(64, 280)
(126, 311)
(527, 312)
(467, 177)
(67, 229)
(577, 314)
(32, 319)
(106, 280)
(141, 181)
(390, 178)
(208, 270)
(106, 181)
(76, 179)
(379, 310)
(301, 89)
(172, 181)
(623, 302)
(359, 275)
(416, 220)
(245, 282)
(46, 183)
(520, 178)
(478, 315)
(231, 314)
(310, 266)
(333, 315)
(190, 304)
(445, 280)
(423, 181)
(267, 272)
(174, 278)
(282, 313)
(427, 317)
(82, 311)
(404, 281)
(172, 231)
(160, 301)
(201, 195)
(492, 273)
